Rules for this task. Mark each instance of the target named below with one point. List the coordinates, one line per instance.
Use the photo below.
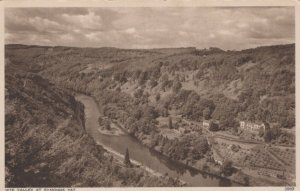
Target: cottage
(206, 124)
(251, 127)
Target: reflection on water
(145, 156)
(172, 165)
(179, 167)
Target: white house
(252, 127)
(206, 124)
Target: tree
(143, 77)
(164, 81)
(149, 112)
(176, 86)
(223, 123)
(213, 126)
(272, 133)
(137, 113)
(227, 168)
(246, 181)
(127, 161)
(107, 125)
(200, 148)
(157, 97)
(206, 113)
(170, 123)
(153, 83)
(261, 132)
(275, 132)
(268, 135)
(100, 120)
(138, 93)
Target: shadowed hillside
(46, 144)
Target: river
(144, 155)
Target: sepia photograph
(150, 97)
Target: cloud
(42, 24)
(88, 21)
(225, 32)
(66, 37)
(227, 28)
(130, 31)
(212, 35)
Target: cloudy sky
(227, 28)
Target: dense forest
(137, 87)
(46, 144)
(254, 84)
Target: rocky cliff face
(42, 127)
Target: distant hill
(254, 84)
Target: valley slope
(46, 144)
(162, 96)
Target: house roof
(210, 120)
(253, 123)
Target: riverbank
(120, 157)
(113, 131)
(213, 170)
(239, 177)
(205, 167)
(143, 153)
(115, 154)
(214, 174)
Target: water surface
(142, 154)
